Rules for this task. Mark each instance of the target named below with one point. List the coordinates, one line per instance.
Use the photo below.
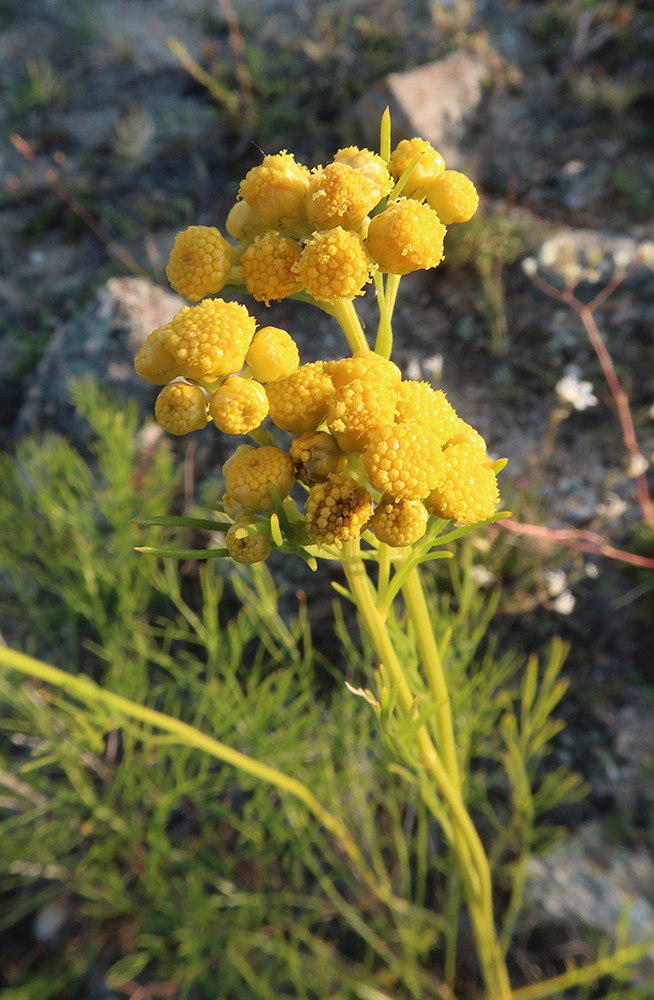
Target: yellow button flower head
(200, 262)
(405, 461)
(299, 403)
(244, 548)
(276, 189)
(339, 195)
(210, 339)
(334, 266)
(370, 164)
(418, 401)
(364, 365)
(181, 408)
(399, 522)
(316, 456)
(238, 406)
(467, 491)
(154, 363)
(273, 354)
(357, 410)
(248, 474)
(407, 236)
(243, 223)
(337, 511)
(428, 167)
(464, 433)
(268, 267)
(453, 197)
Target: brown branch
(50, 175)
(579, 540)
(585, 313)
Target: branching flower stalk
(585, 312)
(385, 463)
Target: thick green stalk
(86, 690)
(344, 312)
(392, 285)
(470, 852)
(416, 605)
(384, 341)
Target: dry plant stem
(236, 45)
(585, 313)
(472, 859)
(50, 175)
(557, 415)
(578, 540)
(87, 691)
(219, 93)
(492, 281)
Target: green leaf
(127, 969)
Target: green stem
(576, 977)
(392, 285)
(344, 312)
(385, 136)
(452, 916)
(470, 852)
(86, 690)
(416, 605)
(384, 341)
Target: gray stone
(91, 128)
(101, 343)
(596, 249)
(586, 883)
(437, 102)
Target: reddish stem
(579, 540)
(585, 313)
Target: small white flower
(573, 392)
(433, 367)
(564, 604)
(621, 260)
(572, 272)
(412, 370)
(530, 266)
(592, 572)
(637, 465)
(481, 575)
(611, 506)
(555, 581)
(646, 253)
(549, 254)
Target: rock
(597, 248)
(101, 342)
(50, 919)
(436, 102)
(585, 883)
(631, 777)
(91, 128)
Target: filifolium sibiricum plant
(380, 474)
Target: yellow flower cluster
(326, 231)
(372, 449)
(403, 440)
(207, 344)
